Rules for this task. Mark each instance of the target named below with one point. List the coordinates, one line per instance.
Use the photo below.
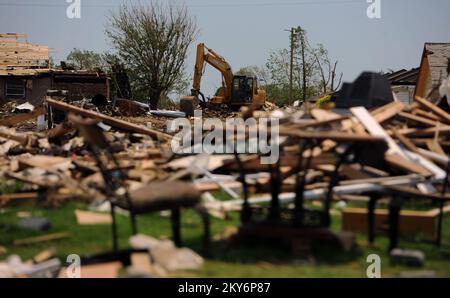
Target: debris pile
(415, 137)
(58, 162)
(346, 155)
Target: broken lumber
(330, 135)
(117, 123)
(39, 239)
(92, 218)
(418, 119)
(7, 134)
(433, 108)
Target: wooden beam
(433, 108)
(117, 123)
(425, 114)
(388, 111)
(442, 130)
(406, 165)
(330, 135)
(405, 141)
(375, 129)
(39, 239)
(418, 119)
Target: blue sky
(245, 31)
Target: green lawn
(250, 260)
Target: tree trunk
(154, 99)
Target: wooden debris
(92, 218)
(16, 119)
(40, 239)
(433, 108)
(5, 199)
(44, 255)
(118, 123)
(105, 270)
(411, 222)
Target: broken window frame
(19, 86)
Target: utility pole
(291, 68)
(302, 41)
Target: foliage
(313, 72)
(85, 59)
(323, 100)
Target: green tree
(85, 59)
(313, 71)
(152, 40)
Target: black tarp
(369, 90)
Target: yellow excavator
(236, 90)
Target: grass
(249, 260)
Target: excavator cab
(243, 89)
(245, 92)
(236, 90)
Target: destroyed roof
(22, 58)
(403, 77)
(438, 55)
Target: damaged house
(403, 83)
(433, 70)
(26, 74)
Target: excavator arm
(236, 90)
(216, 61)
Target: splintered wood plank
(428, 115)
(375, 129)
(418, 119)
(441, 129)
(438, 158)
(404, 164)
(433, 108)
(435, 147)
(425, 163)
(405, 141)
(388, 111)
